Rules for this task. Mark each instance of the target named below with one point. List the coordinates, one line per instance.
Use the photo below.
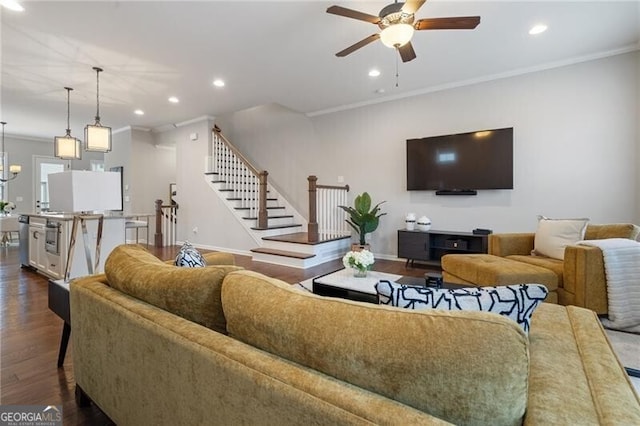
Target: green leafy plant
(362, 217)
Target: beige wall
(575, 148)
(637, 215)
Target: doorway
(43, 167)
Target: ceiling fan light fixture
(396, 35)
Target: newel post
(158, 233)
(312, 227)
(262, 200)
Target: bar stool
(135, 223)
(8, 226)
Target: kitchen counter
(70, 216)
(49, 241)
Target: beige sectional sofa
(271, 354)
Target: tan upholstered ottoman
(489, 270)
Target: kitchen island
(49, 240)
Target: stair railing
(245, 183)
(166, 224)
(326, 220)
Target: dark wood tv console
(429, 246)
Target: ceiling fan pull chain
(397, 71)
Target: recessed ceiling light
(538, 29)
(174, 100)
(218, 83)
(138, 112)
(12, 5)
(374, 73)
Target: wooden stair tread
(283, 216)
(268, 208)
(284, 253)
(293, 225)
(247, 199)
(301, 238)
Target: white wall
(575, 148)
(120, 156)
(257, 131)
(21, 151)
(200, 208)
(153, 169)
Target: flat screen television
(461, 163)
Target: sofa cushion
(553, 235)
(463, 367)
(188, 256)
(554, 265)
(489, 270)
(192, 293)
(516, 302)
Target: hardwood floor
(30, 333)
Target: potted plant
(362, 217)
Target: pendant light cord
(3, 123)
(68, 89)
(4, 154)
(97, 93)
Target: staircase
(278, 229)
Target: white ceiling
(268, 52)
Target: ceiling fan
(397, 22)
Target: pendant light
(67, 147)
(14, 169)
(97, 138)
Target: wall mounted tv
(461, 164)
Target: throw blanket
(622, 270)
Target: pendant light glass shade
(67, 147)
(97, 138)
(14, 169)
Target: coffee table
(343, 284)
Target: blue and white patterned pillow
(189, 257)
(516, 302)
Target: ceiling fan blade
(454, 23)
(412, 6)
(406, 52)
(350, 13)
(358, 45)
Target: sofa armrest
(511, 244)
(584, 278)
(219, 258)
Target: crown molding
(167, 127)
(130, 128)
(483, 79)
(27, 138)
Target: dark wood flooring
(30, 332)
